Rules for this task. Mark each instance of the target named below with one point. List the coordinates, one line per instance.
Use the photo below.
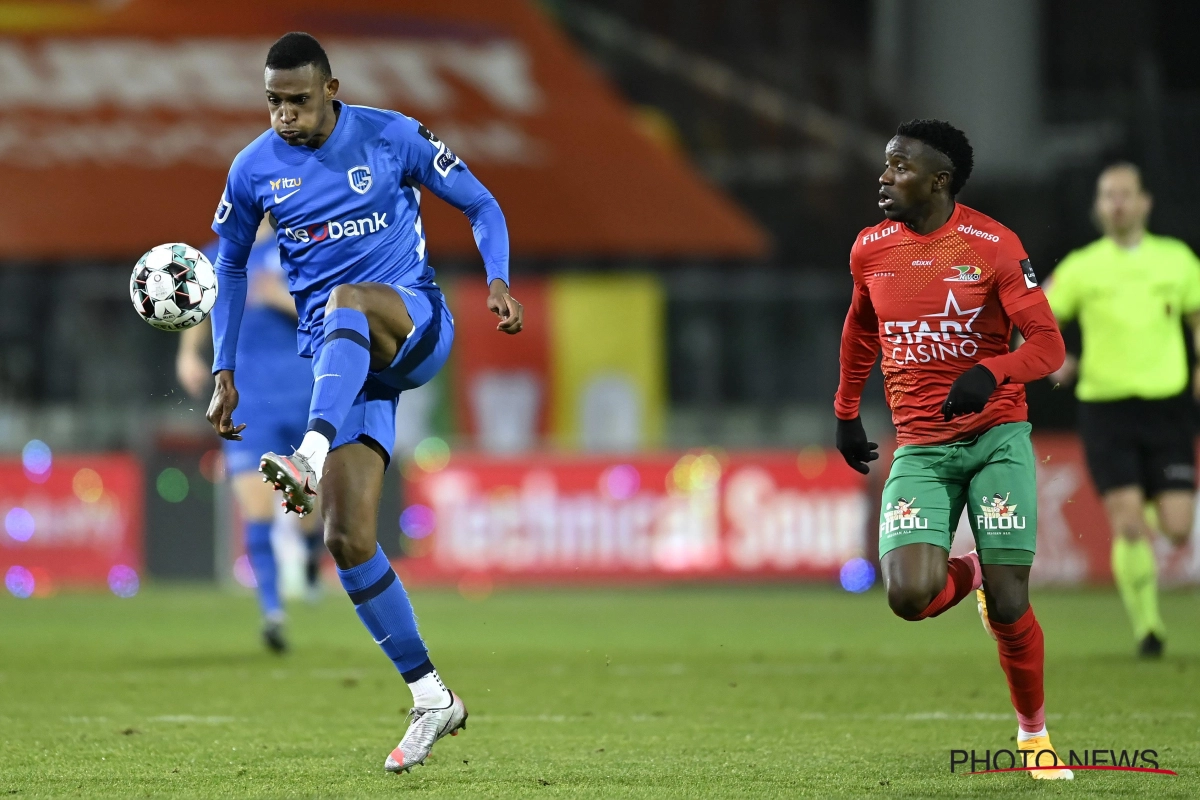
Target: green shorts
(994, 475)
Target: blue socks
(340, 371)
(343, 363)
(262, 561)
(382, 605)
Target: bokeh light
(88, 485)
(621, 482)
(37, 460)
(811, 462)
(432, 454)
(857, 575)
(19, 582)
(476, 587)
(172, 485)
(694, 473)
(18, 523)
(243, 573)
(417, 521)
(212, 465)
(43, 586)
(123, 581)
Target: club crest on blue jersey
(360, 178)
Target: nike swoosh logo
(381, 641)
(326, 375)
(279, 199)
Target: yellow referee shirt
(1129, 304)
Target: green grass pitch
(679, 692)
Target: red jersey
(936, 305)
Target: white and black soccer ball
(173, 286)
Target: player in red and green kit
(938, 288)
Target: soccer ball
(173, 287)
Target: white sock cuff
(428, 691)
(1025, 736)
(314, 448)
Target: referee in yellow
(1131, 291)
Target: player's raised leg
(922, 582)
(922, 501)
(350, 491)
(364, 327)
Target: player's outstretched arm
(859, 349)
(226, 324)
(505, 306)
(222, 405)
(1040, 355)
(444, 174)
(852, 443)
(491, 237)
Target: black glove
(853, 444)
(970, 392)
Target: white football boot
(426, 726)
(293, 476)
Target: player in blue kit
(343, 186)
(275, 386)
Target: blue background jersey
(346, 212)
(266, 349)
(274, 383)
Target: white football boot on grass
(426, 726)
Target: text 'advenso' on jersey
(345, 212)
(933, 306)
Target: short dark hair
(1130, 166)
(296, 49)
(947, 140)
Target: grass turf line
(678, 692)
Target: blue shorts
(275, 423)
(373, 415)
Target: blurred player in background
(938, 287)
(1130, 291)
(343, 184)
(276, 385)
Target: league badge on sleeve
(1030, 275)
(360, 178)
(443, 160)
(223, 209)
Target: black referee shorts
(1136, 442)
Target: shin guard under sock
(383, 606)
(1022, 651)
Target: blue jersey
(266, 348)
(346, 212)
(274, 383)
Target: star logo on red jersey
(958, 319)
